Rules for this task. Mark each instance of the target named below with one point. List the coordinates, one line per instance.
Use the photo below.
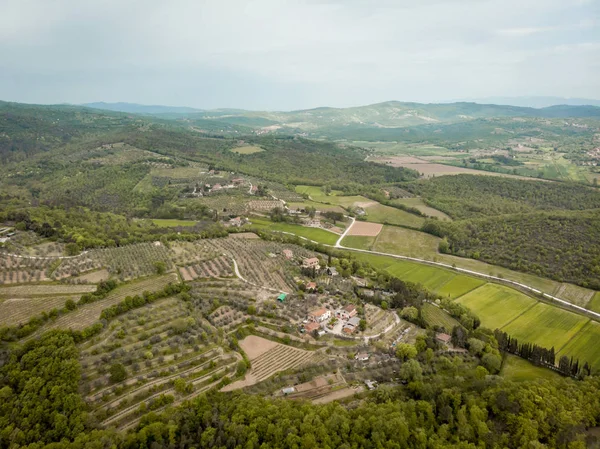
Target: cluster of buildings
(320, 318)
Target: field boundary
(521, 314)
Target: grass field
(318, 235)
(418, 203)
(594, 303)
(547, 326)
(167, 223)
(379, 213)
(406, 242)
(247, 149)
(358, 241)
(335, 197)
(496, 305)
(517, 369)
(584, 345)
(438, 317)
(459, 285)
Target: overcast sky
(277, 54)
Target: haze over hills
(534, 102)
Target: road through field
(471, 272)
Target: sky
(283, 55)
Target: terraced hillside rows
(88, 314)
(218, 267)
(262, 263)
(162, 353)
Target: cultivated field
(335, 197)
(496, 305)
(363, 228)
(316, 234)
(88, 314)
(17, 310)
(594, 303)
(45, 289)
(406, 242)
(547, 326)
(247, 149)
(268, 358)
(434, 316)
(169, 223)
(167, 355)
(218, 267)
(418, 203)
(584, 345)
(379, 213)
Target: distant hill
(536, 102)
(134, 108)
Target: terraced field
(218, 267)
(15, 310)
(496, 305)
(168, 354)
(88, 314)
(268, 358)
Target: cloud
(289, 54)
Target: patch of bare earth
(366, 229)
(244, 235)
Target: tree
(411, 371)
(160, 267)
(492, 362)
(409, 313)
(118, 373)
(405, 351)
(362, 325)
(70, 304)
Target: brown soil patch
(255, 346)
(95, 276)
(365, 229)
(338, 394)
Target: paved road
(464, 270)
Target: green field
(517, 369)
(594, 303)
(584, 345)
(496, 305)
(406, 242)
(334, 198)
(168, 223)
(248, 149)
(434, 316)
(358, 241)
(459, 285)
(418, 203)
(546, 326)
(378, 213)
(318, 235)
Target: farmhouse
(443, 338)
(319, 315)
(311, 286)
(237, 181)
(332, 271)
(311, 327)
(351, 326)
(236, 222)
(347, 312)
(312, 222)
(311, 262)
(362, 357)
(288, 253)
(216, 187)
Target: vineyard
(151, 357)
(268, 358)
(88, 314)
(214, 268)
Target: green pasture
(517, 369)
(496, 305)
(419, 204)
(247, 149)
(358, 241)
(318, 235)
(459, 285)
(546, 326)
(594, 303)
(295, 205)
(584, 345)
(334, 198)
(406, 242)
(378, 213)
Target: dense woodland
(549, 229)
